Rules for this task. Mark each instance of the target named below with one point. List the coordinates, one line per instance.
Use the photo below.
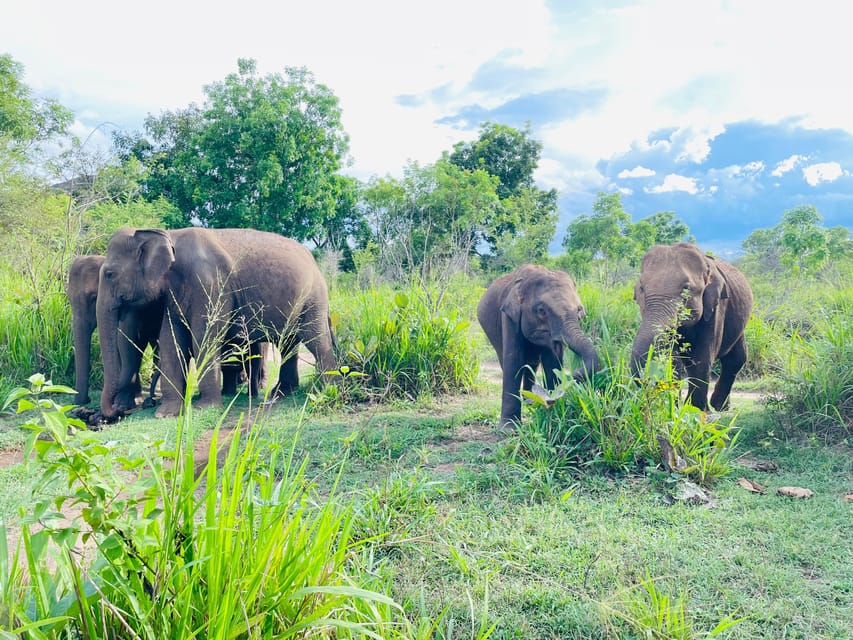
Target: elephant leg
(130, 385)
(698, 373)
(288, 375)
(230, 378)
(174, 347)
(551, 364)
(513, 379)
(730, 365)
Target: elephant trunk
(580, 343)
(82, 359)
(656, 319)
(108, 334)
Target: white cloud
(675, 182)
(637, 172)
(748, 170)
(787, 165)
(625, 191)
(823, 172)
(371, 51)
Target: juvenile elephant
(137, 329)
(717, 301)
(220, 287)
(528, 316)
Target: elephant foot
(149, 402)
(720, 404)
(168, 409)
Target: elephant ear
(511, 306)
(155, 253)
(715, 291)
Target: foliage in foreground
(620, 424)
(161, 548)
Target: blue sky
(726, 112)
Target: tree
(659, 228)
(607, 237)
(25, 120)
(501, 151)
(430, 221)
(262, 152)
(799, 243)
(522, 226)
(346, 228)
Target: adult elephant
(220, 287)
(708, 302)
(136, 329)
(528, 316)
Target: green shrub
(241, 551)
(35, 328)
(619, 423)
(402, 344)
(817, 386)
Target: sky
(727, 113)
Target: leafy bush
(402, 345)
(618, 423)
(35, 328)
(817, 386)
(179, 552)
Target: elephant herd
(530, 314)
(212, 296)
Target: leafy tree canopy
(799, 243)
(24, 119)
(525, 221)
(430, 221)
(608, 237)
(501, 151)
(262, 152)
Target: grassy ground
(454, 526)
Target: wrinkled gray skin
(137, 329)
(528, 316)
(220, 287)
(720, 302)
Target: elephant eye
(540, 310)
(109, 275)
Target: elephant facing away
(528, 316)
(220, 287)
(137, 329)
(717, 300)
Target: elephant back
(278, 280)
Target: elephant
(528, 316)
(717, 303)
(137, 330)
(220, 287)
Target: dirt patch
(10, 457)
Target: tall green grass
(817, 384)
(35, 328)
(241, 550)
(617, 423)
(400, 344)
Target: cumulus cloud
(675, 182)
(822, 172)
(787, 165)
(637, 172)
